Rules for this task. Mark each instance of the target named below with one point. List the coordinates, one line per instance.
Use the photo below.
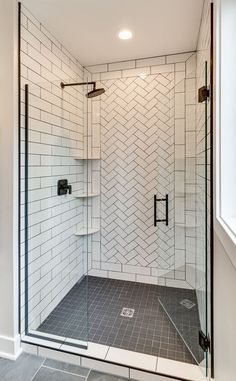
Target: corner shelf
(182, 194)
(86, 231)
(86, 195)
(193, 226)
(86, 158)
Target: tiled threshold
(120, 362)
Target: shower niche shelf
(188, 226)
(86, 231)
(86, 195)
(87, 158)
(187, 193)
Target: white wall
(9, 340)
(224, 315)
(224, 268)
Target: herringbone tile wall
(146, 148)
(137, 162)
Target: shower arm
(78, 84)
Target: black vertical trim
(155, 210)
(206, 217)
(26, 203)
(212, 189)
(167, 210)
(19, 165)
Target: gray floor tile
(97, 376)
(185, 320)
(23, 369)
(70, 368)
(150, 330)
(48, 374)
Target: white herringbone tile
(137, 146)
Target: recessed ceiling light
(125, 34)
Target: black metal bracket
(204, 341)
(63, 187)
(63, 85)
(166, 199)
(203, 94)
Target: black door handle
(166, 220)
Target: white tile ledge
(144, 376)
(132, 359)
(96, 351)
(160, 367)
(179, 369)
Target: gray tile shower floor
(32, 368)
(149, 331)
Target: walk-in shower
(115, 207)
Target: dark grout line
(32, 379)
(88, 375)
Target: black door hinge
(204, 341)
(203, 94)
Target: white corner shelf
(181, 194)
(86, 231)
(87, 158)
(188, 226)
(86, 195)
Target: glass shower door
(204, 215)
(54, 256)
(188, 309)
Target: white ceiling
(88, 28)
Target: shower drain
(187, 304)
(127, 312)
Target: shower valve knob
(63, 188)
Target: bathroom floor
(33, 368)
(149, 331)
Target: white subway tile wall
(56, 134)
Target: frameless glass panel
(92, 201)
(55, 256)
(188, 309)
(203, 216)
(76, 116)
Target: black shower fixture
(91, 94)
(63, 187)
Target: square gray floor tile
(97, 376)
(70, 368)
(23, 369)
(149, 331)
(48, 374)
